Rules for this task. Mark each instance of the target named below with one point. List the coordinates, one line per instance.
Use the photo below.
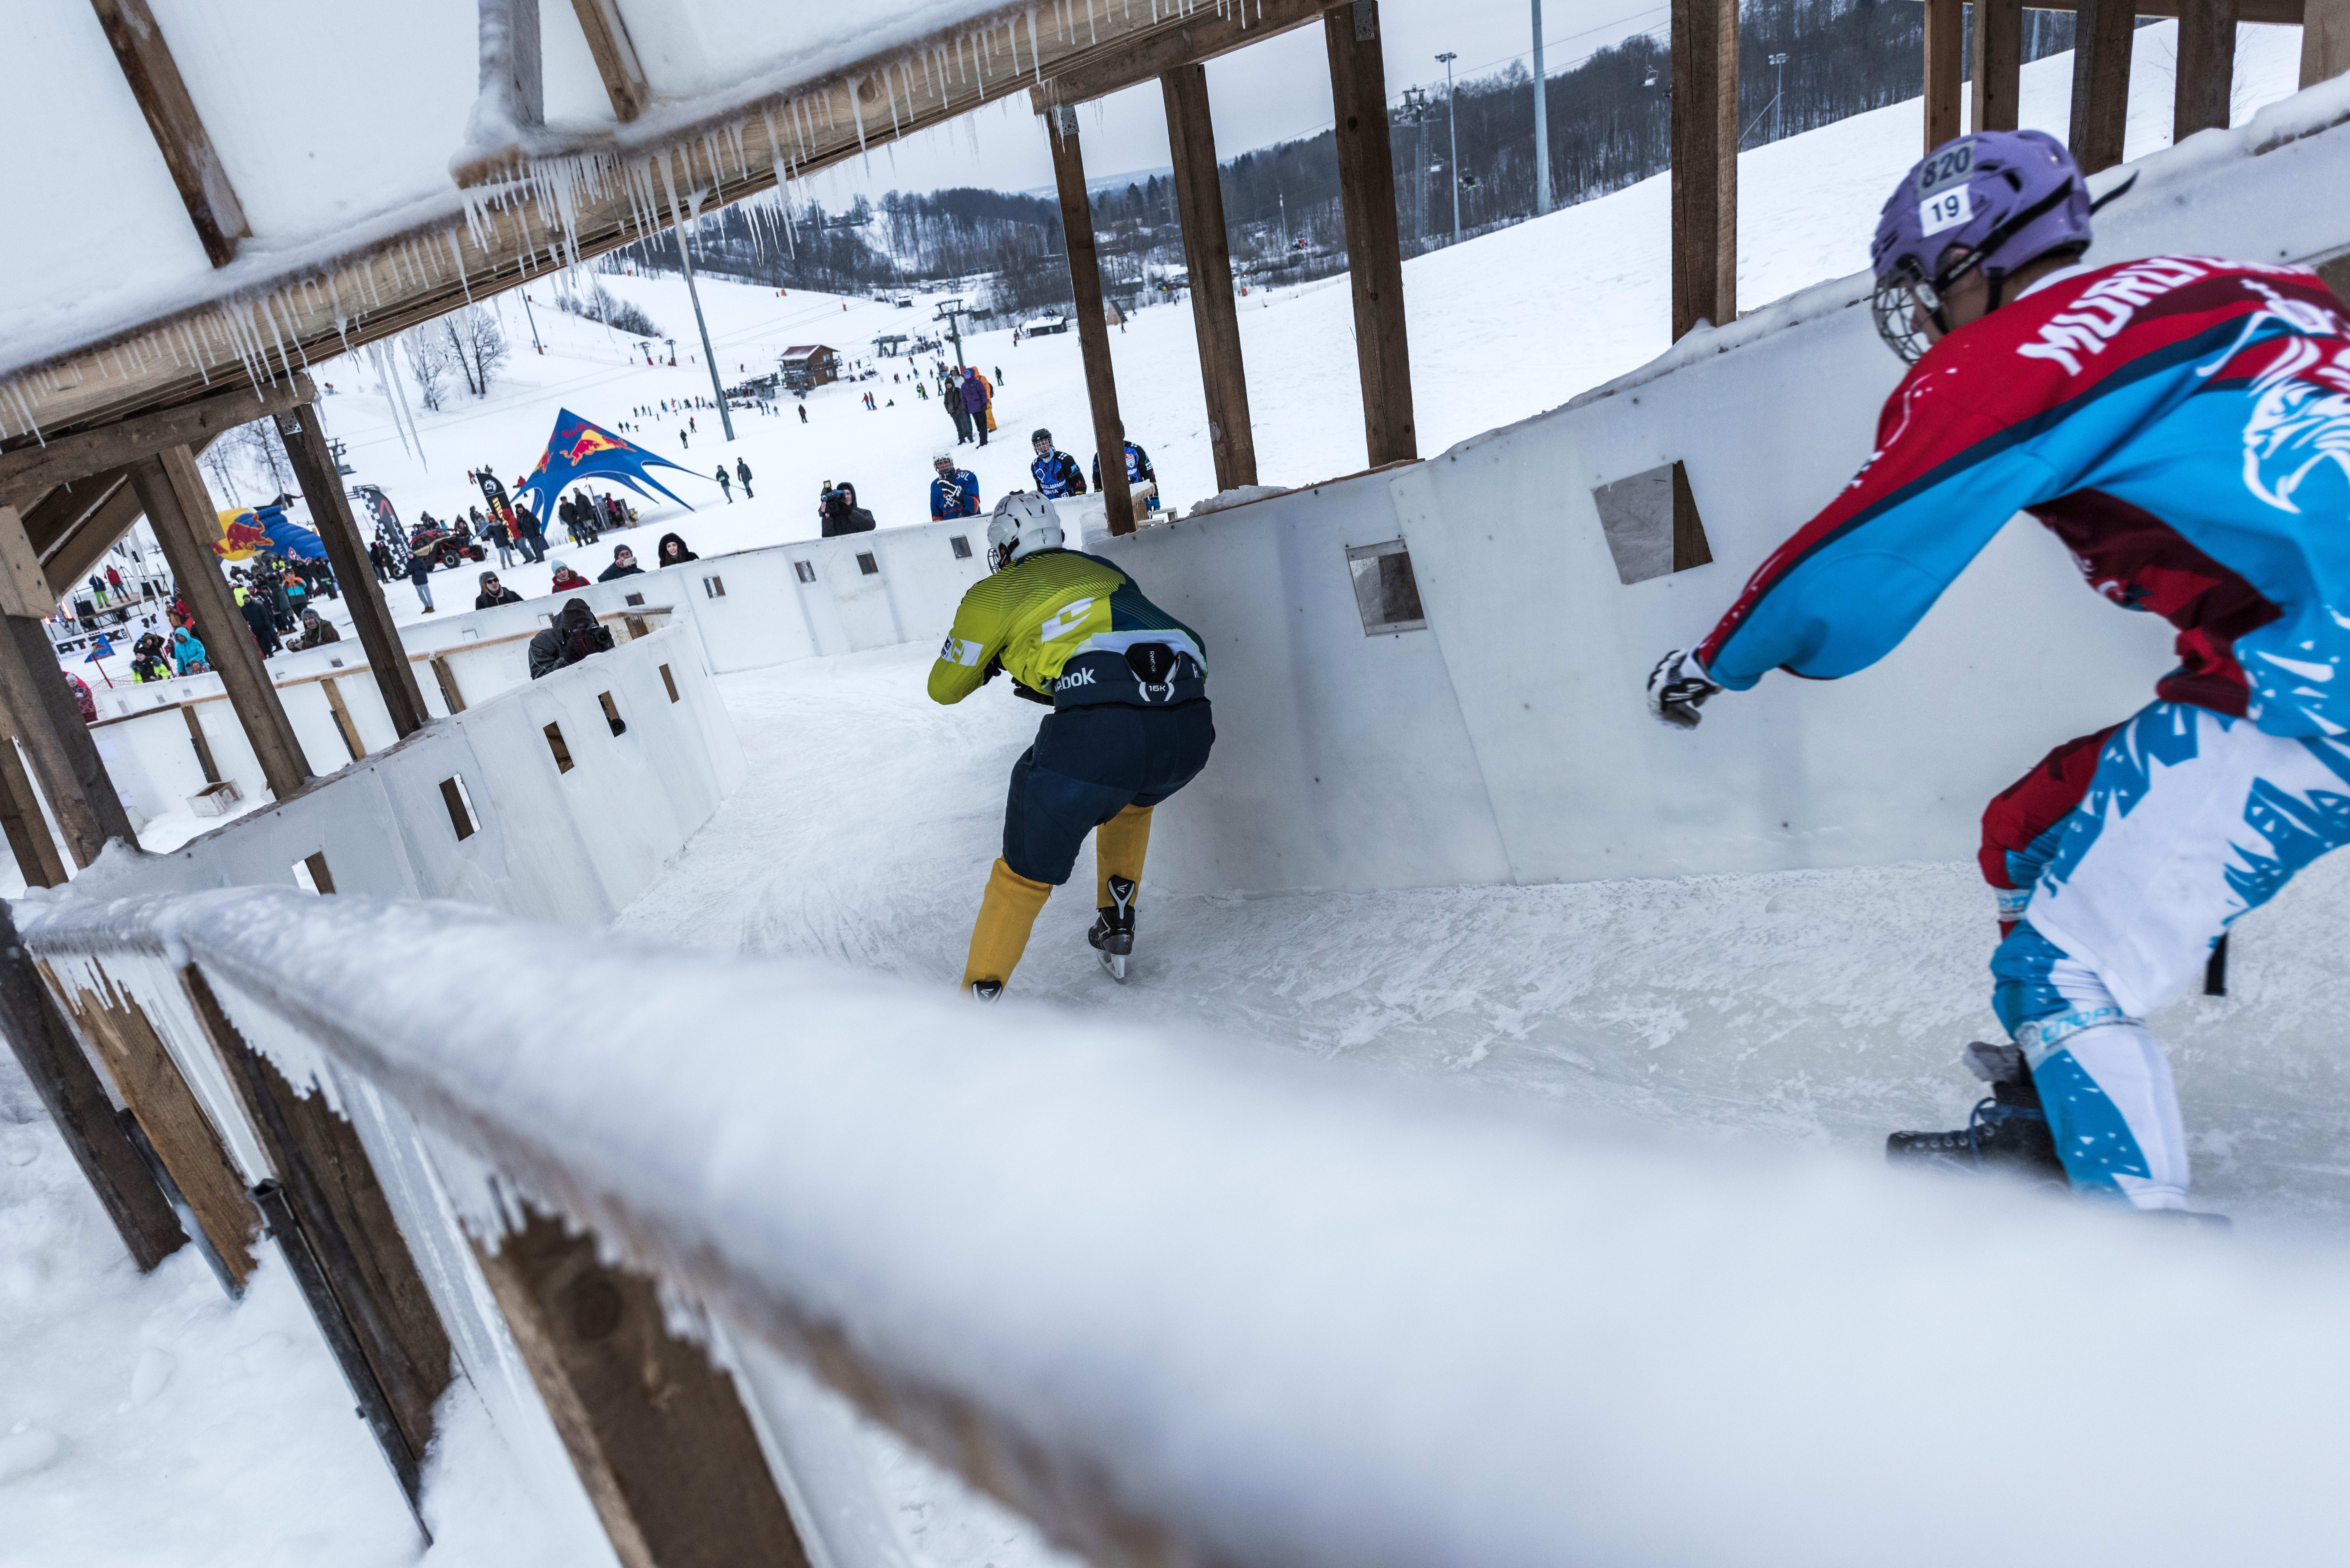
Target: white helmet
(1023, 524)
(939, 454)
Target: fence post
(70, 1087)
(659, 1435)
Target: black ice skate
(986, 990)
(1113, 932)
(2007, 1133)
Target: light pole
(526, 316)
(709, 357)
(1541, 125)
(1778, 94)
(1453, 130)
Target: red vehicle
(443, 545)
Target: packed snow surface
(1673, 1089)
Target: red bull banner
(583, 449)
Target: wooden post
(348, 1223)
(203, 743)
(29, 839)
(1704, 37)
(176, 503)
(76, 1102)
(150, 1084)
(1998, 63)
(447, 677)
(40, 711)
(1207, 254)
(659, 1435)
(163, 96)
(615, 57)
(2207, 66)
(2101, 69)
(1093, 327)
(2324, 40)
(344, 724)
(1945, 30)
(330, 513)
(1359, 97)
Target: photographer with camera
(839, 513)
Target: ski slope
(1813, 1010)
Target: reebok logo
(2100, 311)
(1074, 679)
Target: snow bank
(1309, 1317)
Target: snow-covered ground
(146, 1421)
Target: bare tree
(429, 355)
(475, 344)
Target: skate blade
(1115, 963)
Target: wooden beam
(1702, 41)
(2201, 96)
(658, 1433)
(1208, 256)
(1945, 29)
(350, 1226)
(181, 510)
(150, 1085)
(1728, 125)
(2101, 69)
(1209, 31)
(77, 552)
(59, 512)
(615, 57)
(1093, 329)
(330, 513)
(1998, 66)
(2275, 13)
(38, 709)
(28, 468)
(187, 149)
(1358, 100)
(77, 1107)
(2325, 39)
(29, 839)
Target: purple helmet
(2002, 198)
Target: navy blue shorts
(1088, 765)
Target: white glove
(1678, 687)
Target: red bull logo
(589, 441)
(242, 535)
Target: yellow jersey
(1074, 628)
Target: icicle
(1091, 36)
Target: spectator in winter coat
(420, 573)
(379, 558)
(568, 581)
(494, 593)
(493, 535)
(624, 564)
(256, 612)
(574, 635)
(1055, 470)
(743, 473)
(532, 539)
(974, 402)
(726, 484)
(83, 700)
(955, 491)
(317, 632)
(146, 661)
(187, 653)
(841, 514)
(673, 552)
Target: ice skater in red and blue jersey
(2182, 423)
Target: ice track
(1823, 1007)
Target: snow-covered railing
(1186, 1301)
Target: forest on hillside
(1609, 122)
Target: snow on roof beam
(1203, 35)
(187, 149)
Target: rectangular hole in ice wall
(636, 599)
(804, 570)
(310, 873)
(612, 713)
(869, 565)
(1651, 523)
(461, 807)
(562, 752)
(961, 547)
(715, 586)
(668, 681)
(1385, 593)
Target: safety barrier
(1176, 1302)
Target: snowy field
(148, 1421)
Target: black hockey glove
(1677, 688)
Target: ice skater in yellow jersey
(1130, 725)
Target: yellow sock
(1119, 845)
(1007, 915)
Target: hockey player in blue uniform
(955, 491)
(1141, 479)
(1058, 474)
(2182, 423)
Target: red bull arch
(581, 450)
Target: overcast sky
(1265, 93)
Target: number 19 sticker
(1947, 211)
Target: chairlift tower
(1453, 130)
(947, 312)
(1778, 96)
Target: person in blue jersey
(955, 491)
(1141, 479)
(2183, 424)
(1057, 473)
